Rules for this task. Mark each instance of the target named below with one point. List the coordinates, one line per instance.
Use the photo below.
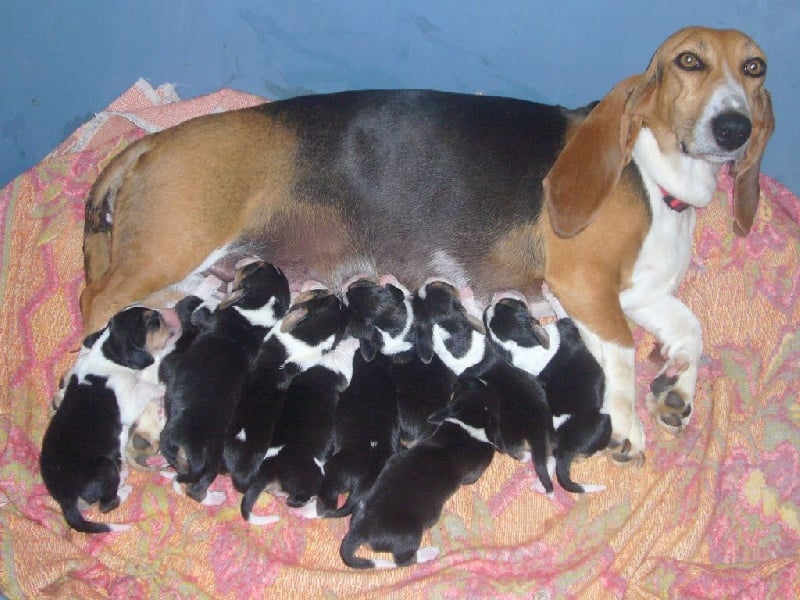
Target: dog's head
(702, 96)
(507, 319)
(136, 335)
(437, 307)
(380, 317)
(315, 316)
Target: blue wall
(65, 61)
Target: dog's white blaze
(729, 96)
(535, 358)
(300, 353)
(559, 420)
(242, 435)
(260, 317)
(320, 465)
(340, 359)
(273, 451)
(458, 365)
(477, 433)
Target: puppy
(293, 464)
(411, 491)
(312, 327)
(143, 436)
(382, 317)
(366, 431)
(105, 393)
(459, 340)
(204, 383)
(573, 380)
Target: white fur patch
(242, 435)
(261, 521)
(273, 451)
(260, 317)
(458, 365)
(477, 433)
(535, 358)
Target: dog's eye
(689, 61)
(754, 67)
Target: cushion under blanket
(714, 512)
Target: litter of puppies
(375, 402)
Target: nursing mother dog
(486, 192)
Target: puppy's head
(256, 285)
(315, 316)
(136, 335)
(437, 303)
(473, 403)
(379, 317)
(508, 319)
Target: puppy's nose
(731, 129)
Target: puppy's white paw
(383, 563)
(214, 498)
(262, 520)
(123, 492)
(118, 528)
(591, 488)
(309, 511)
(427, 553)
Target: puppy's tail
(350, 545)
(257, 485)
(540, 451)
(74, 518)
(99, 210)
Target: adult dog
(491, 192)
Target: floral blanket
(712, 513)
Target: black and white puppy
(303, 434)
(411, 491)
(205, 381)
(446, 330)
(366, 431)
(572, 378)
(105, 393)
(312, 327)
(383, 318)
(145, 432)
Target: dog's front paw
(670, 397)
(626, 446)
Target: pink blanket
(712, 513)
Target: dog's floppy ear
(292, 318)
(540, 333)
(90, 339)
(424, 341)
(588, 168)
(438, 417)
(746, 190)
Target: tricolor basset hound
(489, 192)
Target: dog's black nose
(731, 129)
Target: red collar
(672, 201)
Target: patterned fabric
(713, 513)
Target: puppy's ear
(540, 333)
(292, 318)
(203, 318)
(126, 354)
(368, 346)
(746, 188)
(232, 298)
(90, 339)
(588, 168)
(424, 341)
(439, 417)
(476, 324)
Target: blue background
(65, 61)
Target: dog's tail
(76, 520)
(99, 210)
(258, 484)
(347, 550)
(540, 452)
